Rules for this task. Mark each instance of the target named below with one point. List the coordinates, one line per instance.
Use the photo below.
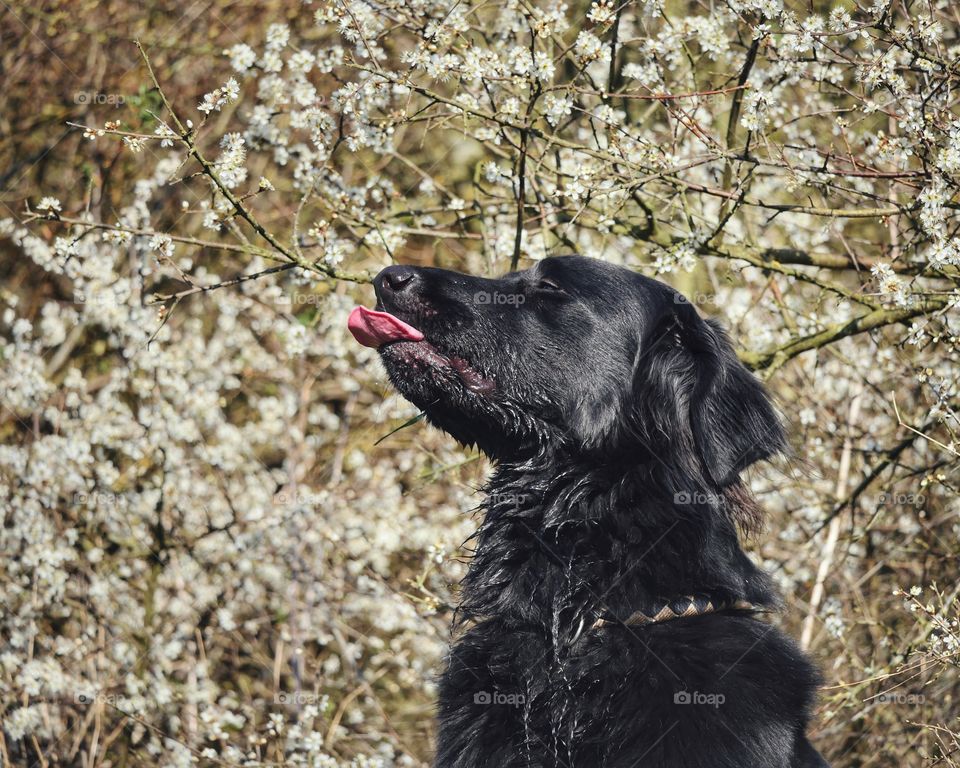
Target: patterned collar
(680, 608)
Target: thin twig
(902, 423)
(290, 255)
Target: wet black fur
(619, 422)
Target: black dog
(615, 617)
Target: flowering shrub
(207, 558)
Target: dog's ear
(682, 395)
(732, 420)
(597, 407)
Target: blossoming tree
(209, 559)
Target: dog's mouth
(382, 330)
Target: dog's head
(572, 354)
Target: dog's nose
(396, 279)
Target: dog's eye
(546, 284)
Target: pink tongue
(374, 329)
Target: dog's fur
(619, 422)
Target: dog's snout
(396, 279)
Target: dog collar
(680, 608)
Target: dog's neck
(561, 544)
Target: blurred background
(223, 540)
